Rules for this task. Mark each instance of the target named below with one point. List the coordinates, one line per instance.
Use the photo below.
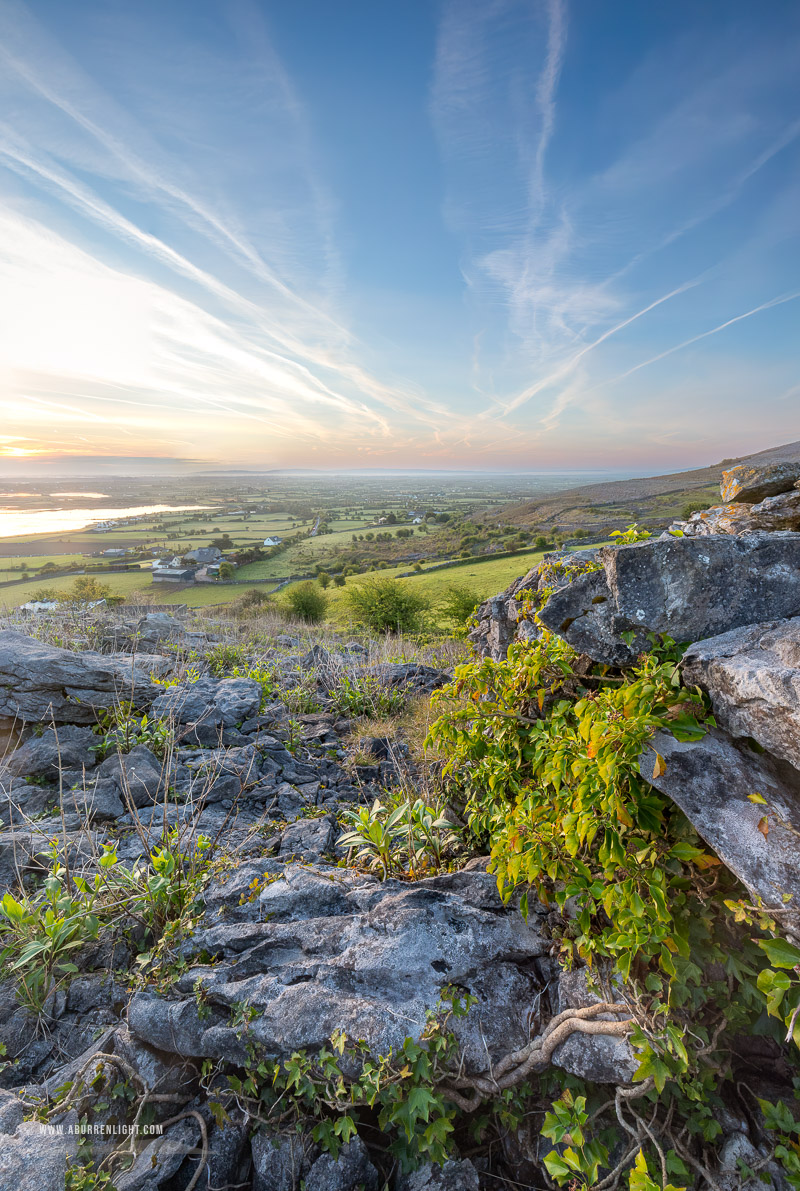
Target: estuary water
(16, 523)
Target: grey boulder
(136, 776)
(351, 1169)
(772, 514)
(688, 588)
(320, 950)
(40, 683)
(753, 484)
(68, 747)
(504, 618)
(712, 781)
(280, 1163)
(453, 1176)
(32, 1159)
(753, 677)
(215, 703)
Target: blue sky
(477, 233)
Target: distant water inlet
(15, 524)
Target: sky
(483, 234)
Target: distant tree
(324, 579)
(339, 580)
(306, 601)
(226, 570)
(84, 589)
(387, 605)
(541, 543)
(391, 519)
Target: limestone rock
(412, 675)
(352, 1168)
(453, 1176)
(689, 588)
(31, 1159)
(711, 780)
(161, 1159)
(222, 703)
(40, 683)
(753, 677)
(43, 756)
(501, 620)
(344, 951)
(136, 776)
(279, 1163)
(753, 484)
(773, 514)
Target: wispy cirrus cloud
(221, 329)
(587, 268)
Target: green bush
(306, 601)
(387, 605)
(458, 604)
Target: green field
(122, 584)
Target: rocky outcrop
(744, 805)
(753, 677)
(752, 484)
(684, 587)
(773, 514)
(40, 683)
(509, 617)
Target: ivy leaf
(757, 799)
(780, 953)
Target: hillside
(652, 500)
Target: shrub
(339, 580)
(387, 605)
(306, 601)
(458, 604)
(253, 601)
(324, 579)
(694, 506)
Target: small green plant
(626, 537)
(263, 676)
(223, 659)
(411, 839)
(41, 932)
(329, 1091)
(79, 1177)
(366, 696)
(121, 730)
(302, 699)
(579, 1158)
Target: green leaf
(780, 953)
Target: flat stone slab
(711, 780)
(688, 588)
(40, 683)
(323, 950)
(753, 678)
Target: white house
(272, 541)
